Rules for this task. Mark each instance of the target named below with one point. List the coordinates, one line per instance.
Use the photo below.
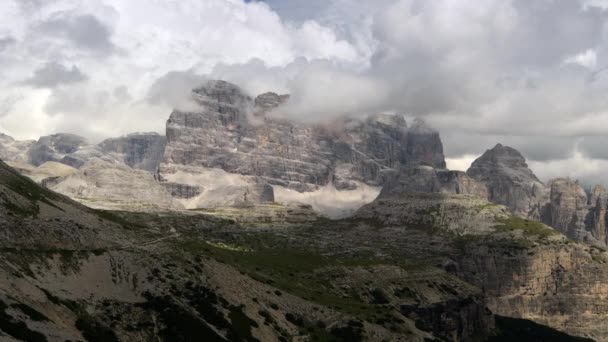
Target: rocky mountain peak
(504, 159)
(269, 101)
(424, 145)
(220, 93)
(393, 120)
(420, 126)
(510, 181)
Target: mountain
(509, 180)
(235, 133)
(562, 203)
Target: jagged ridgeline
(222, 234)
(229, 150)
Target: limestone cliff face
(598, 202)
(574, 212)
(509, 181)
(139, 150)
(525, 268)
(567, 207)
(559, 285)
(234, 132)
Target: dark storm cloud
(552, 30)
(594, 147)
(537, 148)
(54, 74)
(84, 31)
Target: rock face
(577, 214)
(54, 148)
(138, 150)
(597, 220)
(103, 184)
(559, 285)
(14, 150)
(426, 179)
(527, 269)
(300, 157)
(266, 102)
(509, 181)
(562, 203)
(567, 207)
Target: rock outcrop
(110, 185)
(576, 213)
(138, 150)
(509, 181)
(559, 285)
(567, 207)
(425, 179)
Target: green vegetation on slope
(295, 271)
(26, 188)
(528, 227)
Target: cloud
(529, 74)
(84, 31)
(54, 74)
(587, 59)
(174, 89)
(461, 163)
(589, 171)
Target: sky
(529, 74)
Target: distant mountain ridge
(232, 151)
(233, 142)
